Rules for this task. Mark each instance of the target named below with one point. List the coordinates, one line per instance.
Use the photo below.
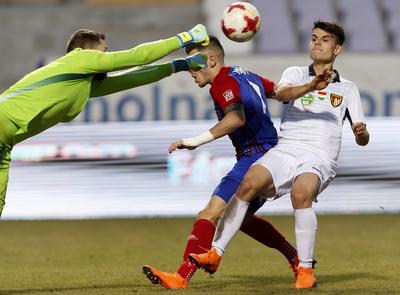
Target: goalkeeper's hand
(196, 35)
(193, 62)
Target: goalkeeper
(59, 91)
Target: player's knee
(247, 189)
(301, 198)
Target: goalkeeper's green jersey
(59, 91)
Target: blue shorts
(230, 183)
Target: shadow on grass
(83, 288)
(279, 282)
(348, 277)
(228, 284)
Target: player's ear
(338, 49)
(212, 61)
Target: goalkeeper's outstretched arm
(131, 78)
(145, 75)
(146, 53)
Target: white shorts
(286, 163)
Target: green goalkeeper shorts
(5, 160)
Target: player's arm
(146, 53)
(269, 87)
(286, 91)
(133, 78)
(145, 75)
(355, 115)
(361, 133)
(226, 95)
(234, 118)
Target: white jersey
(314, 122)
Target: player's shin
(198, 242)
(229, 224)
(305, 229)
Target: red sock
(264, 232)
(199, 241)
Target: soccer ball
(240, 21)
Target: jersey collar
(224, 71)
(311, 72)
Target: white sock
(305, 229)
(229, 224)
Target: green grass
(356, 255)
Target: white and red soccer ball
(240, 21)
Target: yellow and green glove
(197, 35)
(193, 62)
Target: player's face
(202, 76)
(323, 46)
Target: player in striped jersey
(240, 103)
(304, 161)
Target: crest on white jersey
(336, 100)
(228, 95)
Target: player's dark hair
(85, 39)
(213, 45)
(332, 28)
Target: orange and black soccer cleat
(166, 279)
(305, 279)
(208, 261)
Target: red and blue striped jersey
(235, 85)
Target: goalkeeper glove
(196, 61)
(196, 35)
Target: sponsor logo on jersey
(322, 95)
(228, 95)
(307, 99)
(336, 100)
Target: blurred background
(112, 160)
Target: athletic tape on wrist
(201, 139)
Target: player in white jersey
(318, 100)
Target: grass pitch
(356, 255)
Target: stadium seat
(391, 9)
(276, 33)
(306, 12)
(363, 24)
